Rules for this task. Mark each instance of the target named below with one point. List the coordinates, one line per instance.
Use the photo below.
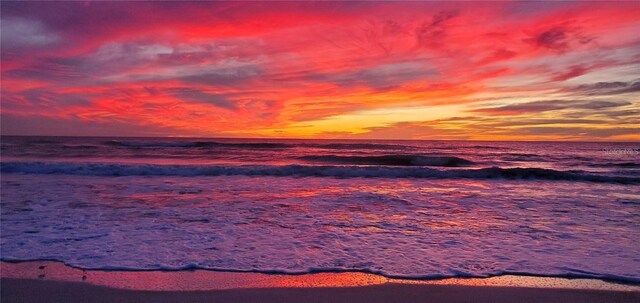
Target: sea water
(411, 209)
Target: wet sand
(55, 282)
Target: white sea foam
(402, 228)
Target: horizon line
(319, 139)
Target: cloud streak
(551, 105)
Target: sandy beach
(55, 282)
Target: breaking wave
(393, 160)
(361, 146)
(108, 169)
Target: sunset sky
(552, 70)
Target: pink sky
(553, 70)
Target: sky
(511, 70)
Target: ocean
(406, 209)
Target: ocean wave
(496, 147)
(392, 160)
(358, 146)
(523, 157)
(250, 145)
(109, 169)
(622, 164)
(80, 146)
(42, 142)
(197, 144)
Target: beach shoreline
(47, 281)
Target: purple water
(417, 209)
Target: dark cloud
(21, 33)
(58, 70)
(40, 99)
(225, 76)
(390, 75)
(111, 61)
(431, 33)
(623, 115)
(524, 9)
(72, 126)
(550, 105)
(438, 129)
(555, 38)
(524, 122)
(48, 69)
(559, 38)
(574, 71)
(380, 77)
(87, 23)
(78, 69)
(608, 88)
(194, 95)
(577, 131)
(383, 35)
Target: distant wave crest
(393, 160)
(108, 169)
(356, 146)
(200, 144)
